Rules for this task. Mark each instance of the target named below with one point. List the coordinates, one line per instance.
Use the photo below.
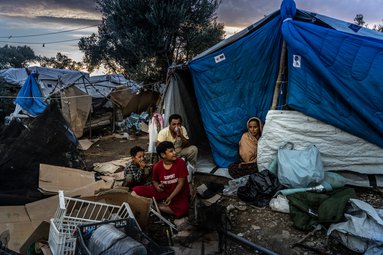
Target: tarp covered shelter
(334, 74)
(52, 80)
(77, 90)
(47, 139)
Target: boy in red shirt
(169, 181)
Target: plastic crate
(72, 212)
(129, 227)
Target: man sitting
(177, 134)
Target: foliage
(359, 20)
(8, 94)
(17, 57)
(143, 38)
(378, 28)
(60, 62)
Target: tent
(78, 92)
(292, 59)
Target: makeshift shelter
(292, 59)
(47, 139)
(77, 91)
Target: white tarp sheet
(362, 231)
(14, 76)
(340, 151)
(54, 80)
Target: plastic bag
(280, 204)
(260, 188)
(233, 185)
(300, 168)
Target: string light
(43, 43)
(51, 33)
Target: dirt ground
(261, 226)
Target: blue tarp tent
(30, 97)
(335, 74)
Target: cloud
(69, 21)
(70, 12)
(241, 13)
(81, 5)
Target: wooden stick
(155, 204)
(280, 76)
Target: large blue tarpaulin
(234, 84)
(336, 77)
(30, 97)
(333, 75)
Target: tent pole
(280, 76)
(90, 122)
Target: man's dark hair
(175, 117)
(135, 150)
(163, 146)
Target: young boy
(136, 172)
(169, 182)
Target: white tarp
(102, 85)
(54, 80)
(362, 231)
(49, 79)
(340, 151)
(14, 76)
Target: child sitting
(169, 182)
(136, 171)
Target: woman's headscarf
(260, 125)
(248, 144)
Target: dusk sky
(22, 21)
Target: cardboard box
(21, 221)
(40, 233)
(45, 209)
(15, 219)
(55, 178)
(140, 206)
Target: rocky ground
(261, 226)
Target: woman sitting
(248, 150)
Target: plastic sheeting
(363, 230)
(75, 107)
(336, 77)
(30, 97)
(179, 98)
(340, 151)
(52, 80)
(234, 84)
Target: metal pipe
(248, 243)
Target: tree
(359, 20)
(61, 61)
(144, 37)
(378, 28)
(17, 57)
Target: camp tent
(78, 92)
(52, 80)
(333, 73)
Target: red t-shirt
(169, 178)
